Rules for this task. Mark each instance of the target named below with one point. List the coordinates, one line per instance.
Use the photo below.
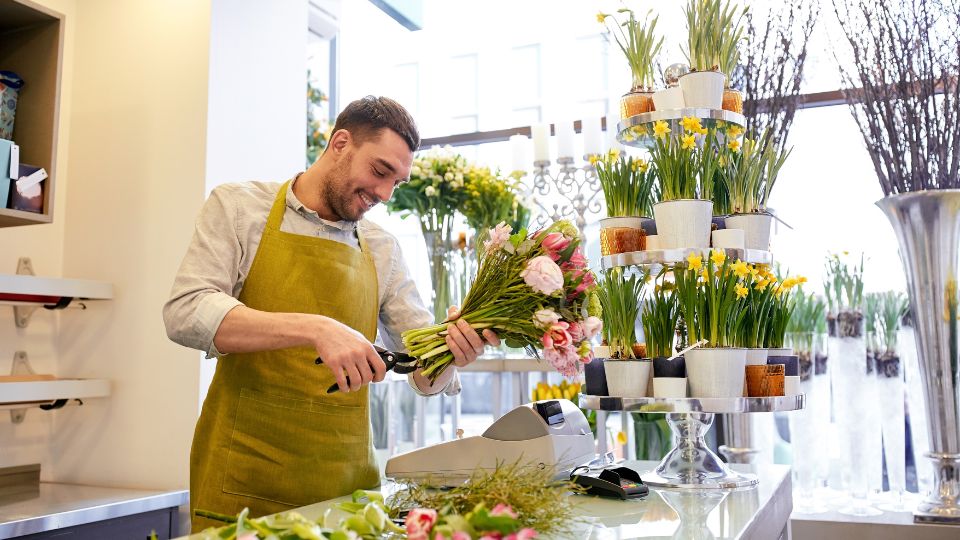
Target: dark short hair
(365, 117)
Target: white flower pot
(756, 357)
(728, 239)
(716, 373)
(791, 385)
(668, 98)
(683, 223)
(756, 229)
(628, 378)
(670, 387)
(703, 89)
(653, 242)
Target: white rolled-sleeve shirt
(225, 242)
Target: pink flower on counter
(554, 243)
(544, 318)
(543, 275)
(503, 510)
(591, 327)
(499, 236)
(419, 522)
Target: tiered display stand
(690, 464)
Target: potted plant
(629, 190)
(639, 44)
(710, 297)
(707, 37)
(890, 385)
(750, 171)
(730, 34)
(808, 311)
(685, 159)
(620, 295)
(781, 310)
(659, 319)
(756, 310)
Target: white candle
(518, 148)
(592, 135)
(612, 135)
(541, 142)
(565, 135)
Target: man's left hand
(463, 340)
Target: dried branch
(902, 89)
(773, 60)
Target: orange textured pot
(733, 100)
(635, 102)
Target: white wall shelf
(26, 394)
(31, 290)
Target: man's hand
(463, 340)
(349, 356)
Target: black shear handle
(390, 359)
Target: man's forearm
(249, 330)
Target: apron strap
(278, 209)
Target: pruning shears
(401, 363)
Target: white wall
(160, 101)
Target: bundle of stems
(900, 73)
(773, 66)
(620, 296)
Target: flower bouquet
(533, 291)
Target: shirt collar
(294, 203)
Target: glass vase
(890, 385)
(915, 411)
(856, 405)
(440, 256)
(804, 435)
(820, 406)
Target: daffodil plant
(620, 296)
(781, 309)
(638, 42)
(710, 297)
(685, 160)
(713, 34)
(628, 184)
(750, 169)
(659, 318)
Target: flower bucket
(621, 235)
(10, 85)
(755, 357)
(703, 89)
(683, 223)
(728, 239)
(668, 99)
(732, 100)
(716, 373)
(634, 103)
(628, 378)
(594, 375)
(756, 229)
(765, 380)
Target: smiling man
(277, 275)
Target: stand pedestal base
(691, 464)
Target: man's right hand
(349, 356)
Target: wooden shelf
(26, 394)
(31, 45)
(19, 289)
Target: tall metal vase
(927, 224)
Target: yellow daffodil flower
(801, 280)
(734, 145)
(703, 131)
(721, 161)
(642, 165)
(661, 129)
(601, 17)
(790, 283)
(734, 131)
(691, 124)
(613, 153)
(621, 438)
(761, 285)
(688, 142)
(741, 291)
(695, 261)
(718, 257)
(754, 272)
(704, 275)
(740, 269)
(594, 159)
(639, 131)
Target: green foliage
(620, 296)
(659, 317)
(713, 34)
(843, 286)
(750, 171)
(638, 42)
(628, 185)
(892, 307)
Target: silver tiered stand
(690, 464)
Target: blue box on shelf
(5, 180)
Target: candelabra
(572, 193)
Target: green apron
(269, 437)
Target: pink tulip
(503, 510)
(499, 236)
(557, 336)
(576, 332)
(555, 242)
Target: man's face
(366, 174)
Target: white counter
(756, 513)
